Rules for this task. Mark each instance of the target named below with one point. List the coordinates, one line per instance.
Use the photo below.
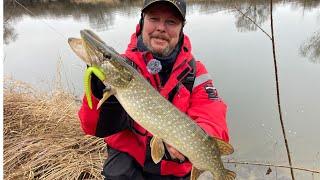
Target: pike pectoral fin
(157, 149)
(77, 47)
(225, 148)
(229, 175)
(195, 173)
(106, 95)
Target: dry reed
(43, 138)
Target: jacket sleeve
(206, 107)
(89, 117)
(109, 119)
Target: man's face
(161, 29)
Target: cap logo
(174, 1)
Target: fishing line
(5, 20)
(53, 29)
(31, 13)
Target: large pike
(149, 109)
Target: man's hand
(175, 154)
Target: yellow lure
(87, 81)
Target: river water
(236, 52)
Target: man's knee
(121, 166)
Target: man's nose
(161, 26)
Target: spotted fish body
(151, 110)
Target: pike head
(103, 61)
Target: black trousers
(121, 166)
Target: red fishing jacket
(203, 105)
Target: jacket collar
(180, 66)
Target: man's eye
(153, 18)
(171, 22)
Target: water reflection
(258, 13)
(311, 48)
(101, 14)
(9, 34)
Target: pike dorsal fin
(225, 148)
(157, 149)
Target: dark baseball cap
(179, 4)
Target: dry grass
(43, 138)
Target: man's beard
(165, 52)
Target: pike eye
(107, 56)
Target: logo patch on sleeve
(211, 91)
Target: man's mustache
(159, 36)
